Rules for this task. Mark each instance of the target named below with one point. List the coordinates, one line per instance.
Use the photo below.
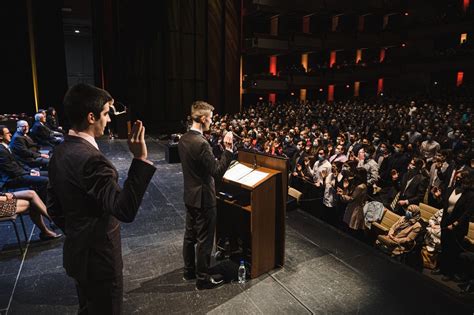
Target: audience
(42, 134)
(25, 149)
(411, 151)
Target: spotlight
(320, 90)
(381, 94)
(348, 86)
(406, 13)
(260, 98)
(292, 93)
(77, 31)
(435, 82)
(404, 45)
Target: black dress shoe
(209, 284)
(44, 237)
(189, 276)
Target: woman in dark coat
(458, 208)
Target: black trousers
(100, 296)
(199, 232)
(37, 183)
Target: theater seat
(295, 194)
(427, 211)
(470, 235)
(388, 219)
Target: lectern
(255, 213)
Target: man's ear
(91, 118)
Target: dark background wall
(156, 57)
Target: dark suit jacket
(42, 134)
(415, 192)
(23, 148)
(86, 202)
(199, 169)
(10, 167)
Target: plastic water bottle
(242, 272)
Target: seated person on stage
(401, 236)
(25, 150)
(14, 174)
(21, 201)
(42, 134)
(53, 123)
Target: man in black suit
(412, 188)
(200, 167)
(14, 174)
(25, 149)
(86, 202)
(42, 134)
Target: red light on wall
(332, 59)
(380, 86)
(272, 97)
(273, 65)
(306, 24)
(356, 88)
(382, 55)
(459, 78)
(330, 93)
(465, 5)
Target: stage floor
(326, 271)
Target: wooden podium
(256, 213)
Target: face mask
(408, 215)
(397, 150)
(376, 139)
(320, 157)
(428, 138)
(383, 150)
(366, 155)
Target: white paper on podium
(252, 178)
(237, 171)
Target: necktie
(395, 200)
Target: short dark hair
(1, 129)
(82, 99)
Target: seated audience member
(42, 134)
(25, 150)
(432, 242)
(20, 201)
(53, 123)
(13, 174)
(401, 236)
